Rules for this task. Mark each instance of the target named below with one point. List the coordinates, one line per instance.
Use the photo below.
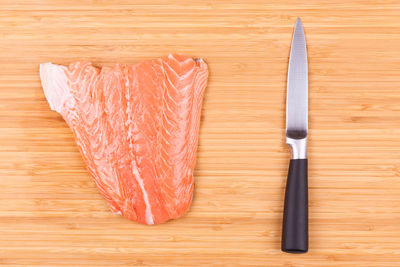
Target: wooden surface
(51, 213)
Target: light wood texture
(51, 213)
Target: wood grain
(51, 212)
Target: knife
(295, 214)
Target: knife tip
(299, 26)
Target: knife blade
(295, 215)
(297, 86)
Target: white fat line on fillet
(55, 85)
(180, 76)
(171, 56)
(149, 215)
(181, 90)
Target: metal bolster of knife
(298, 147)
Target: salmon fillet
(137, 129)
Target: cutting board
(51, 213)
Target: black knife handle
(295, 214)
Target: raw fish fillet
(137, 129)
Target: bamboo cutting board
(51, 213)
